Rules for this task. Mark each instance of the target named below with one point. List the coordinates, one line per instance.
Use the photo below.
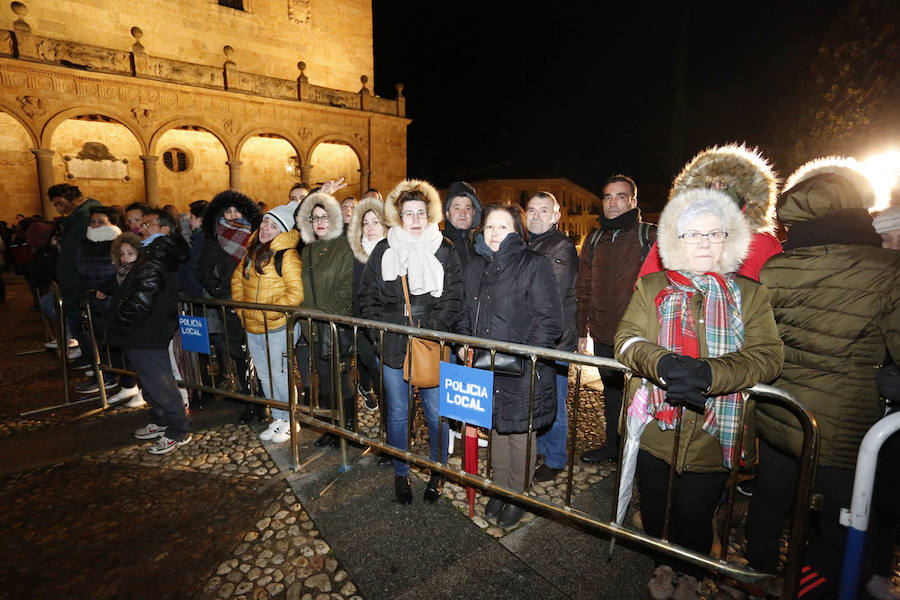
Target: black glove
(691, 397)
(888, 380)
(687, 380)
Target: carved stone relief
(143, 116)
(82, 56)
(298, 12)
(6, 42)
(32, 106)
(95, 161)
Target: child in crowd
(124, 252)
(269, 273)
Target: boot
(434, 489)
(402, 490)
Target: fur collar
(392, 211)
(743, 172)
(735, 246)
(335, 220)
(214, 210)
(823, 185)
(107, 233)
(355, 231)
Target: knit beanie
(887, 220)
(283, 215)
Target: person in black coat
(142, 322)
(511, 296)
(229, 220)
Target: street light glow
(883, 170)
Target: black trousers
(325, 391)
(694, 500)
(160, 390)
(613, 389)
(776, 482)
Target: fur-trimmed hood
(433, 202)
(824, 185)
(355, 230)
(463, 188)
(214, 210)
(304, 212)
(735, 246)
(742, 173)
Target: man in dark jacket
(462, 208)
(143, 321)
(76, 214)
(541, 219)
(610, 260)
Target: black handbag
(504, 364)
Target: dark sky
(586, 89)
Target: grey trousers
(508, 459)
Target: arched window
(176, 160)
(235, 4)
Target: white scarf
(368, 246)
(105, 233)
(414, 257)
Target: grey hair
(701, 207)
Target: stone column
(151, 183)
(305, 173)
(44, 159)
(363, 181)
(234, 174)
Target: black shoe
(747, 487)
(90, 386)
(604, 454)
(434, 489)
(510, 515)
(493, 508)
(544, 473)
(253, 413)
(80, 365)
(327, 439)
(369, 399)
(384, 460)
(402, 490)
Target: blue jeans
(278, 357)
(397, 390)
(552, 443)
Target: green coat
(74, 229)
(759, 361)
(328, 276)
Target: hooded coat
(354, 238)
(74, 229)
(758, 361)
(383, 300)
(748, 179)
(215, 266)
(837, 302)
(463, 244)
(144, 311)
(512, 296)
(268, 287)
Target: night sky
(584, 89)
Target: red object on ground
(471, 465)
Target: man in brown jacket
(610, 260)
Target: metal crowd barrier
(62, 348)
(785, 586)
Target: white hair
(701, 207)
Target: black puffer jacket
(560, 251)
(145, 308)
(383, 300)
(214, 265)
(511, 297)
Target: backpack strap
(644, 239)
(279, 258)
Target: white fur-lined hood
(355, 230)
(331, 206)
(824, 185)
(432, 201)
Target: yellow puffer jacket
(269, 287)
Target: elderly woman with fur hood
(365, 231)
(327, 286)
(747, 178)
(416, 253)
(696, 335)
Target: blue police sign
(467, 394)
(194, 334)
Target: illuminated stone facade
(145, 80)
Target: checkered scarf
(724, 333)
(233, 236)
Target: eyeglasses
(694, 237)
(149, 225)
(418, 214)
(319, 219)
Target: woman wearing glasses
(696, 334)
(417, 252)
(328, 286)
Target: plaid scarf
(233, 236)
(724, 333)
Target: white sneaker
(74, 352)
(137, 402)
(53, 345)
(273, 427)
(150, 431)
(283, 434)
(164, 445)
(881, 588)
(123, 394)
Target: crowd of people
(700, 307)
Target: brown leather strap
(406, 298)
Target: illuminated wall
(332, 160)
(263, 173)
(18, 176)
(207, 172)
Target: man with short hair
(542, 220)
(348, 205)
(463, 211)
(143, 322)
(607, 269)
(372, 193)
(298, 192)
(76, 215)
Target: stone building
(171, 101)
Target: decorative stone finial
(364, 90)
(137, 33)
(302, 67)
(20, 9)
(229, 54)
(399, 87)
